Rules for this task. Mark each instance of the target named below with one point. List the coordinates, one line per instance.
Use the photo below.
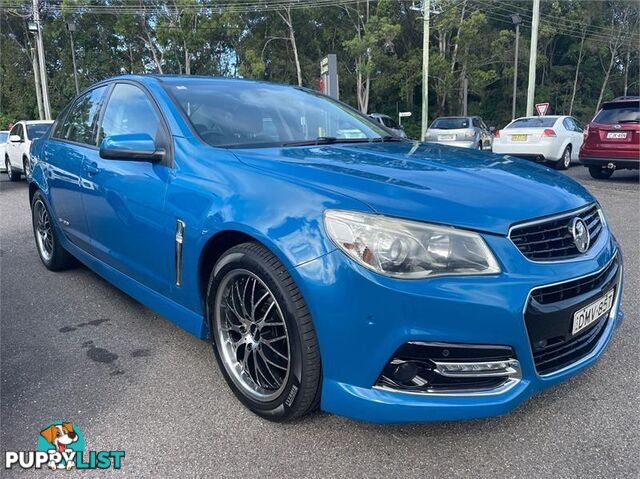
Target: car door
(578, 137)
(13, 146)
(72, 139)
(130, 230)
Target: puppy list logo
(61, 446)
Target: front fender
(213, 192)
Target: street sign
(329, 76)
(403, 114)
(542, 108)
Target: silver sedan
(461, 131)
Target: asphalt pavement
(74, 347)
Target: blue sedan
(329, 264)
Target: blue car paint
(125, 231)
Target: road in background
(74, 348)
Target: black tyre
(262, 334)
(600, 173)
(565, 160)
(51, 252)
(14, 175)
(26, 166)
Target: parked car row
(611, 141)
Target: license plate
(518, 137)
(446, 137)
(591, 313)
(618, 135)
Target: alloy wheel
(44, 232)
(567, 158)
(252, 335)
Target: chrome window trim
(558, 216)
(605, 335)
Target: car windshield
(450, 123)
(228, 113)
(3, 136)
(37, 130)
(535, 122)
(619, 113)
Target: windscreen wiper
(629, 121)
(327, 140)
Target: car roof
(543, 116)
(35, 122)
(379, 115)
(157, 78)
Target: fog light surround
(452, 369)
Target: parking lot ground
(73, 347)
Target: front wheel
(51, 252)
(600, 173)
(14, 175)
(262, 334)
(26, 166)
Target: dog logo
(61, 436)
(61, 446)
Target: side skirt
(179, 315)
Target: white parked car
(553, 139)
(16, 154)
(4, 137)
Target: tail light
(496, 133)
(549, 132)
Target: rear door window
(80, 123)
(623, 112)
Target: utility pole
(43, 69)
(465, 93)
(531, 88)
(516, 21)
(426, 8)
(36, 75)
(71, 27)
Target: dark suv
(612, 139)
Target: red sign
(542, 108)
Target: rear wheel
(263, 338)
(565, 160)
(51, 252)
(13, 174)
(600, 173)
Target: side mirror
(15, 139)
(131, 147)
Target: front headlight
(408, 249)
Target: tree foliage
(587, 50)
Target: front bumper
(362, 318)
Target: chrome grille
(551, 239)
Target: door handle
(91, 168)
